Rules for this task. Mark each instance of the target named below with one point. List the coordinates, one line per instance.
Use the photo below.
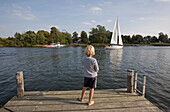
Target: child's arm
(96, 67)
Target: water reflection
(115, 58)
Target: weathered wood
(42, 93)
(111, 100)
(130, 75)
(136, 78)
(142, 109)
(144, 83)
(20, 84)
(65, 101)
(82, 106)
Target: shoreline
(98, 45)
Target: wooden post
(20, 84)
(136, 78)
(144, 83)
(130, 75)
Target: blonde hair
(89, 51)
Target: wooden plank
(121, 91)
(142, 109)
(105, 101)
(65, 97)
(64, 102)
(83, 106)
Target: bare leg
(83, 93)
(91, 96)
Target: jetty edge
(106, 100)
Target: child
(90, 73)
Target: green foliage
(137, 39)
(97, 35)
(84, 37)
(163, 37)
(154, 39)
(75, 37)
(126, 38)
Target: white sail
(116, 40)
(120, 38)
(116, 36)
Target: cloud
(21, 12)
(86, 23)
(162, 0)
(93, 21)
(109, 20)
(96, 9)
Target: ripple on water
(48, 69)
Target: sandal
(92, 102)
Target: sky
(144, 17)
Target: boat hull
(113, 47)
(53, 45)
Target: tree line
(96, 35)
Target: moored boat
(54, 45)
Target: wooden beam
(20, 84)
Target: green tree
(84, 37)
(108, 37)
(18, 39)
(154, 39)
(42, 37)
(75, 37)
(147, 39)
(163, 37)
(29, 38)
(98, 35)
(136, 39)
(54, 35)
(126, 38)
(68, 37)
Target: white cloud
(109, 20)
(162, 0)
(86, 23)
(93, 21)
(21, 12)
(96, 9)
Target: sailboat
(116, 40)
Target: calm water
(60, 69)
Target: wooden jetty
(107, 100)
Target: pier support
(144, 85)
(130, 75)
(20, 84)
